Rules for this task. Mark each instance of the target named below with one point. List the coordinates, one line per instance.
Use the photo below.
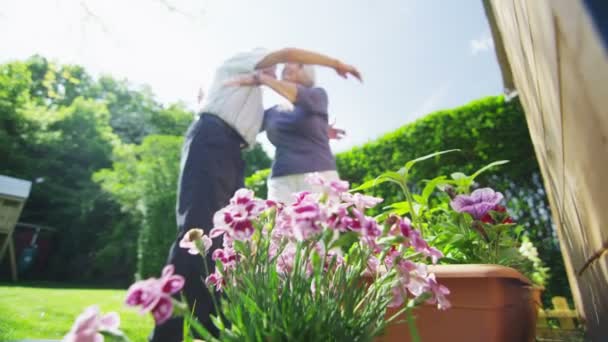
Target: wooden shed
(553, 52)
(13, 194)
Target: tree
(143, 179)
(256, 159)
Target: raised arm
(286, 89)
(293, 55)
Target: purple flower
(154, 295)
(89, 323)
(478, 203)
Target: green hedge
(485, 130)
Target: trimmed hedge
(484, 130)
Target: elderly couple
(212, 168)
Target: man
(212, 169)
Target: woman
(300, 132)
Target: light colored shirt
(240, 107)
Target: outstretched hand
(335, 133)
(344, 70)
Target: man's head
(270, 71)
(299, 73)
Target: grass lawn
(46, 311)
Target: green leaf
(218, 322)
(391, 240)
(114, 336)
(418, 199)
(487, 167)
(345, 241)
(200, 329)
(369, 184)
(430, 187)
(458, 176)
(399, 205)
(389, 176)
(316, 261)
(409, 164)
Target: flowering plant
(91, 326)
(468, 227)
(317, 269)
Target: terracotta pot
(489, 303)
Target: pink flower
(336, 254)
(478, 203)
(439, 292)
(302, 219)
(413, 279)
(216, 279)
(286, 259)
(236, 218)
(196, 242)
(227, 256)
(332, 188)
(154, 295)
(360, 201)
(414, 239)
(336, 216)
(392, 256)
(398, 294)
(372, 266)
(367, 226)
(88, 324)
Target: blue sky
(416, 56)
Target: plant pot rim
(478, 271)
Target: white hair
(308, 71)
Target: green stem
(497, 247)
(212, 291)
(412, 326)
(410, 201)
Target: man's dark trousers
(211, 170)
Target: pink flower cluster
(236, 219)
(88, 325)
(403, 227)
(335, 210)
(154, 295)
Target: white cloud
(482, 44)
(433, 101)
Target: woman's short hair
(308, 71)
